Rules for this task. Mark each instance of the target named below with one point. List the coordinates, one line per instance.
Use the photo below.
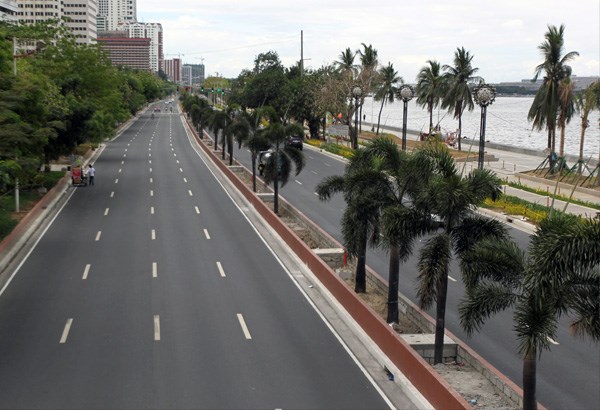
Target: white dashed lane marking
(206, 234)
(65, 333)
(220, 268)
(86, 271)
(244, 326)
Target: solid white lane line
(117, 181)
(197, 210)
(244, 327)
(554, 342)
(98, 236)
(65, 333)
(153, 235)
(154, 270)
(106, 212)
(451, 278)
(206, 234)
(151, 193)
(156, 328)
(86, 271)
(298, 182)
(220, 268)
(112, 194)
(190, 192)
(152, 210)
(184, 179)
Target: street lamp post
(356, 93)
(483, 95)
(407, 93)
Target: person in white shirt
(91, 174)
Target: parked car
(295, 141)
(156, 109)
(263, 159)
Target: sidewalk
(509, 163)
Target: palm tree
(368, 74)
(566, 111)
(279, 165)
(255, 139)
(429, 88)
(222, 122)
(586, 102)
(499, 275)
(544, 109)
(345, 64)
(453, 198)
(458, 96)
(360, 220)
(404, 215)
(386, 89)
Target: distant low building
(173, 70)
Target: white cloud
(503, 36)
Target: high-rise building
(8, 10)
(81, 17)
(153, 31)
(125, 51)
(111, 13)
(186, 75)
(173, 70)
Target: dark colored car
(295, 141)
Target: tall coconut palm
(586, 102)
(368, 73)
(567, 108)
(458, 96)
(453, 198)
(345, 64)
(430, 88)
(405, 214)
(279, 165)
(255, 140)
(499, 275)
(360, 220)
(386, 88)
(544, 109)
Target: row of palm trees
(450, 87)
(259, 130)
(390, 198)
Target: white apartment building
(8, 10)
(154, 32)
(111, 13)
(81, 14)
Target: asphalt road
(151, 290)
(568, 375)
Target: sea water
(506, 123)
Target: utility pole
(301, 53)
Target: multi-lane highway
(568, 375)
(151, 290)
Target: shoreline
(488, 144)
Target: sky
(502, 35)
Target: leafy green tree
(545, 107)
(278, 167)
(458, 94)
(360, 221)
(558, 277)
(430, 88)
(386, 89)
(453, 198)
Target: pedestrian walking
(91, 173)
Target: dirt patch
(566, 178)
